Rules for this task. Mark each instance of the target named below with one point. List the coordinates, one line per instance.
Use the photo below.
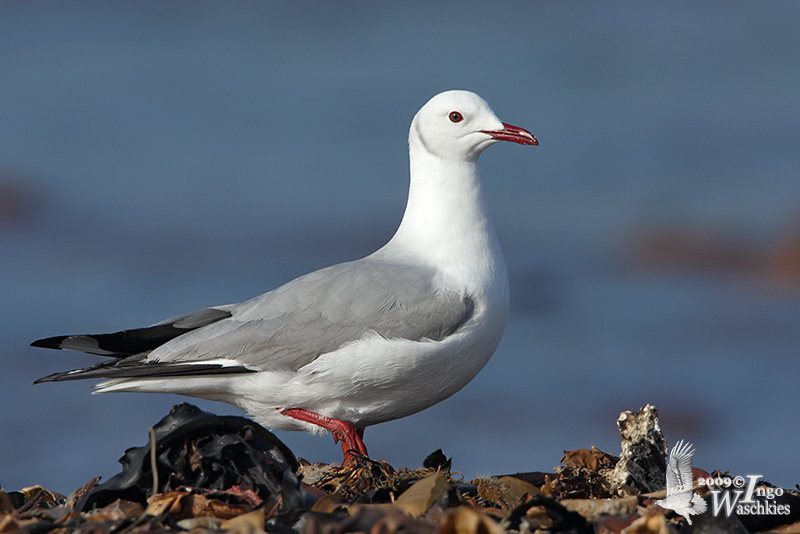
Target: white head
(459, 125)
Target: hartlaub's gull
(357, 343)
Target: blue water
(169, 156)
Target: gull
(680, 495)
(358, 343)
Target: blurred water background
(159, 157)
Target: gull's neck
(446, 225)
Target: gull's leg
(351, 438)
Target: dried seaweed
(211, 474)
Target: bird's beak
(515, 134)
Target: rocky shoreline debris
(206, 474)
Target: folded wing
(284, 329)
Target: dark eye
(455, 116)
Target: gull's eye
(455, 116)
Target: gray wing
(679, 469)
(318, 313)
(293, 325)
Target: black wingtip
(95, 371)
(49, 342)
(49, 378)
(141, 369)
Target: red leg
(350, 437)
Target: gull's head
(459, 125)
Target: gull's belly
(375, 379)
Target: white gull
(353, 344)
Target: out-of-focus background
(161, 157)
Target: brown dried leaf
(203, 506)
(183, 505)
(649, 523)
(794, 528)
(118, 509)
(5, 502)
(8, 523)
(468, 520)
(372, 518)
(376, 510)
(583, 473)
(249, 523)
(548, 487)
(434, 515)
(591, 509)
(35, 496)
(508, 492)
(517, 489)
(397, 522)
(419, 498)
(146, 526)
(327, 504)
(198, 524)
(75, 497)
(593, 459)
(14, 525)
(162, 503)
(614, 524)
(538, 518)
(312, 473)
